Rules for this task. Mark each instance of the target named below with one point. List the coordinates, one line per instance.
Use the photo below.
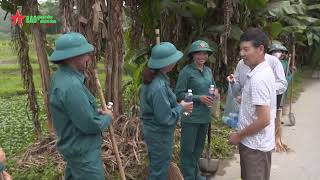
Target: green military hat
(70, 45)
(277, 46)
(200, 45)
(164, 54)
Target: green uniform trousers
(160, 147)
(85, 167)
(193, 136)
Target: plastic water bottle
(233, 120)
(211, 92)
(110, 106)
(188, 98)
(225, 119)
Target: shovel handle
(209, 142)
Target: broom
(174, 172)
(113, 140)
(280, 146)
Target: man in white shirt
(240, 75)
(258, 109)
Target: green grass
(46, 172)
(11, 81)
(12, 85)
(17, 134)
(10, 68)
(14, 125)
(9, 54)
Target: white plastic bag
(231, 110)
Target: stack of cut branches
(131, 147)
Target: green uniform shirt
(190, 77)
(285, 67)
(75, 117)
(159, 108)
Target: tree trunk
(89, 14)
(21, 43)
(39, 39)
(86, 17)
(66, 8)
(114, 54)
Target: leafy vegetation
(220, 22)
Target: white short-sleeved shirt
(276, 66)
(259, 90)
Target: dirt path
(303, 162)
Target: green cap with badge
(198, 46)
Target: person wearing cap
(278, 50)
(159, 109)
(198, 77)
(78, 122)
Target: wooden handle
(287, 72)
(288, 68)
(113, 140)
(209, 142)
(157, 36)
(101, 95)
(292, 79)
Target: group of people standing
(160, 110)
(258, 84)
(79, 123)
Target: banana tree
(300, 23)
(133, 68)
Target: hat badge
(202, 45)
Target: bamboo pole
(157, 31)
(113, 140)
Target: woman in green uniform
(280, 51)
(198, 77)
(159, 109)
(78, 122)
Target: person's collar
(193, 65)
(259, 67)
(164, 76)
(69, 68)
